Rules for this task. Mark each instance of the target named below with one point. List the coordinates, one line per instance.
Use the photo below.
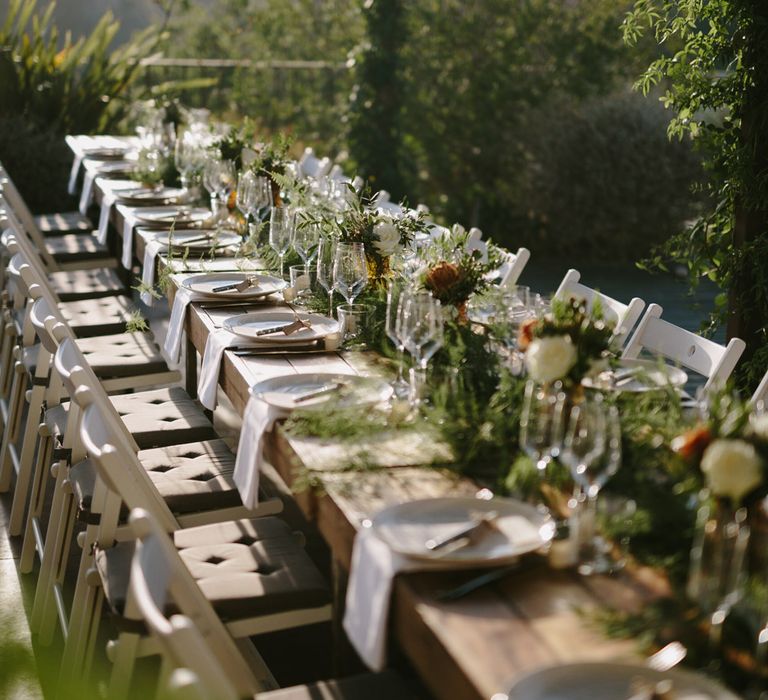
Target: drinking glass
(210, 182)
(246, 194)
(352, 320)
(541, 423)
(305, 239)
(281, 223)
(350, 270)
(326, 254)
(422, 332)
(397, 294)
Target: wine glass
(326, 255)
(210, 182)
(397, 293)
(245, 198)
(541, 423)
(350, 270)
(281, 224)
(226, 180)
(305, 239)
(422, 332)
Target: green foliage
(714, 66)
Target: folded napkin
(218, 341)
(72, 186)
(374, 567)
(258, 419)
(107, 202)
(129, 222)
(151, 249)
(172, 345)
(85, 195)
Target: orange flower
(232, 200)
(691, 444)
(525, 334)
(442, 277)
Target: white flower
(388, 237)
(248, 155)
(550, 358)
(758, 423)
(732, 468)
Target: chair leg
(33, 530)
(124, 652)
(10, 435)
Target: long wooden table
(472, 648)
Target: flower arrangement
(566, 344)
(730, 449)
(381, 233)
(453, 273)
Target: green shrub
(603, 181)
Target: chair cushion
(70, 247)
(90, 317)
(192, 477)
(70, 285)
(245, 568)
(123, 355)
(155, 418)
(370, 686)
(63, 222)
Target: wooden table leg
(190, 357)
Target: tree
(717, 85)
(375, 135)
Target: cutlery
(295, 350)
(247, 283)
(474, 584)
(435, 544)
(287, 328)
(322, 391)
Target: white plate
(205, 284)
(520, 528)
(593, 681)
(358, 391)
(167, 216)
(147, 195)
(652, 375)
(247, 325)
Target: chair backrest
(116, 462)
(761, 393)
(24, 218)
(195, 638)
(705, 357)
(624, 316)
(312, 166)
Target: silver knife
(434, 544)
(322, 391)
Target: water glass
(541, 423)
(350, 270)
(352, 325)
(397, 294)
(326, 255)
(421, 328)
(301, 281)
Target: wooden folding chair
(624, 316)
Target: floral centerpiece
(567, 344)
(270, 160)
(381, 233)
(453, 273)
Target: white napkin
(151, 249)
(72, 186)
(107, 202)
(128, 223)
(258, 419)
(172, 344)
(218, 341)
(374, 567)
(85, 195)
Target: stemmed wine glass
(218, 179)
(305, 239)
(189, 158)
(592, 451)
(541, 423)
(281, 224)
(422, 332)
(246, 194)
(326, 255)
(350, 270)
(397, 295)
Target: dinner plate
(281, 392)
(225, 238)
(248, 325)
(115, 169)
(180, 216)
(589, 681)
(149, 195)
(652, 375)
(518, 529)
(205, 284)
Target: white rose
(758, 422)
(550, 358)
(732, 468)
(388, 238)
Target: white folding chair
(201, 659)
(761, 393)
(624, 316)
(289, 593)
(711, 360)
